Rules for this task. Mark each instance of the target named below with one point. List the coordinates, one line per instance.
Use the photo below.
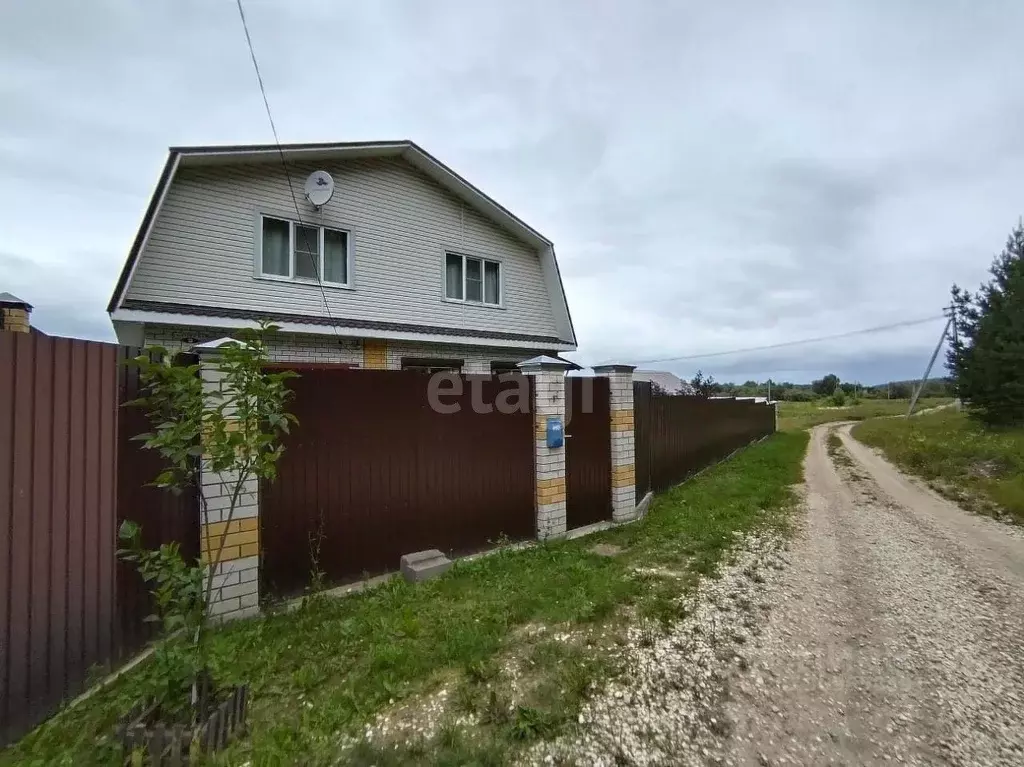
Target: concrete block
(421, 565)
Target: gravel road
(896, 635)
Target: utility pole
(769, 390)
(927, 370)
(956, 343)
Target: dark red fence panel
(588, 451)
(58, 411)
(65, 604)
(375, 471)
(164, 516)
(642, 437)
(690, 433)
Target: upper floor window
(473, 280)
(295, 251)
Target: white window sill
(302, 281)
(480, 304)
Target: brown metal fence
(374, 471)
(588, 451)
(642, 393)
(61, 495)
(687, 434)
(164, 516)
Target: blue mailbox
(555, 436)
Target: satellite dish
(319, 188)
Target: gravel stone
(890, 631)
(666, 708)
(897, 633)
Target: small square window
(299, 251)
(473, 280)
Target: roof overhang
(150, 313)
(190, 156)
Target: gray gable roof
(407, 150)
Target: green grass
(326, 670)
(980, 468)
(803, 415)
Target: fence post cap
(543, 362)
(605, 369)
(213, 346)
(11, 301)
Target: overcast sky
(714, 175)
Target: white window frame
(292, 276)
(483, 280)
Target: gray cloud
(714, 176)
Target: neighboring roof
(9, 299)
(415, 155)
(315, 319)
(668, 382)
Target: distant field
(981, 469)
(803, 415)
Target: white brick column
(235, 572)
(620, 385)
(548, 376)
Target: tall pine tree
(987, 360)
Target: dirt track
(895, 636)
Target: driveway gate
(588, 451)
(374, 471)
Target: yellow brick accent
(241, 539)
(553, 495)
(623, 476)
(226, 555)
(544, 484)
(375, 354)
(234, 526)
(550, 490)
(622, 420)
(231, 539)
(249, 550)
(15, 320)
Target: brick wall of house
(293, 347)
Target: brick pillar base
(548, 376)
(235, 572)
(620, 386)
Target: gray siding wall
(203, 244)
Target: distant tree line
(829, 386)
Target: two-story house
(408, 265)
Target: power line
(284, 165)
(783, 344)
